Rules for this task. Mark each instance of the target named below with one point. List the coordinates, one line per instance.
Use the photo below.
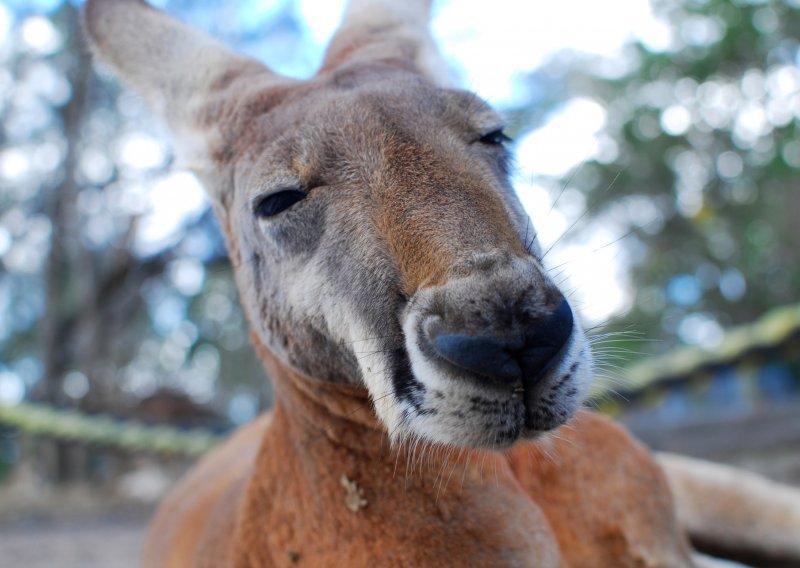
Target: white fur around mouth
(461, 411)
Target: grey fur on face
(408, 227)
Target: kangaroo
(422, 357)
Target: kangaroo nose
(524, 356)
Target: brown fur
(275, 490)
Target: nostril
(545, 339)
(507, 358)
(489, 357)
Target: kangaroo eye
(274, 203)
(495, 138)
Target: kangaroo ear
(184, 75)
(390, 31)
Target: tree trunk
(62, 288)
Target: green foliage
(705, 135)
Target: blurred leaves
(114, 282)
(703, 137)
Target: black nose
(526, 355)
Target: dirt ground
(76, 526)
(72, 545)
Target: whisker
(564, 187)
(582, 215)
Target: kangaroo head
(369, 216)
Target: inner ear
(190, 80)
(392, 33)
(163, 59)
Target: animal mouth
(481, 390)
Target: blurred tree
(699, 161)
(114, 283)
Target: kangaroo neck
(312, 409)
(326, 468)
